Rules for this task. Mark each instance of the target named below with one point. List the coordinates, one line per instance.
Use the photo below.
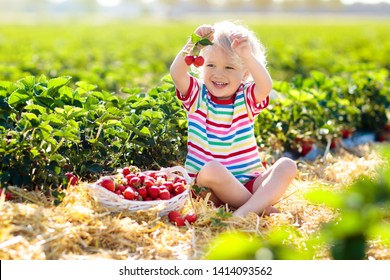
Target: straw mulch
(32, 228)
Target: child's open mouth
(219, 85)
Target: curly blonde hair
(222, 32)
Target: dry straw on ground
(32, 228)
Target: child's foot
(270, 210)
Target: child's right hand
(205, 31)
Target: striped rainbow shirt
(222, 130)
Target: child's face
(221, 75)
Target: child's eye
(210, 65)
(229, 67)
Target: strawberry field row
(90, 99)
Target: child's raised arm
(260, 75)
(179, 72)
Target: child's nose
(218, 71)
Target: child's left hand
(240, 45)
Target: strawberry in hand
(193, 57)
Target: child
(221, 107)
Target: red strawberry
(380, 137)
(173, 215)
(143, 192)
(129, 193)
(168, 185)
(154, 192)
(134, 182)
(307, 146)
(107, 183)
(120, 189)
(346, 132)
(126, 171)
(129, 177)
(180, 180)
(198, 61)
(141, 177)
(151, 174)
(179, 188)
(333, 144)
(191, 218)
(8, 195)
(189, 59)
(164, 194)
(149, 181)
(72, 179)
(179, 221)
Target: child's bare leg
(269, 187)
(223, 185)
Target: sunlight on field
(93, 94)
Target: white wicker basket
(115, 203)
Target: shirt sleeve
(254, 108)
(191, 95)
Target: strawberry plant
(317, 109)
(49, 129)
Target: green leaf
(90, 102)
(115, 111)
(145, 131)
(85, 87)
(95, 168)
(28, 82)
(17, 98)
(205, 42)
(58, 82)
(5, 85)
(30, 116)
(66, 91)
(195, 38)
(33, 107)
(75, 112)
(56, 119)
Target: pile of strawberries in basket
(144, 186)
(148, 186)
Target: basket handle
(179, 169)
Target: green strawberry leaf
(195, 38)
(205, 42)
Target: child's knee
(210, 172)
(288, 167)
